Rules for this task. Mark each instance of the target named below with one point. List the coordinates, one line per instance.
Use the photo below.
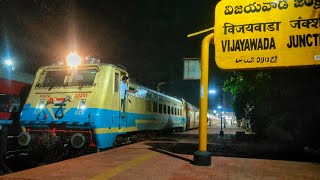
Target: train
(80, 106)
(14, 89)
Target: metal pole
(221, 118)
(202, 157)
(204, 92)
(221, 131)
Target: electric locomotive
(79, 106)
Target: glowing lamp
(41, 105)
(73, 59)
(212, 91)
(8, 62)
(82, 106)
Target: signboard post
(262, 34)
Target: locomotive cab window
(82, 77)
(63, 77)
(52, 78)
(116, 82)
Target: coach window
(148, 106)
(165, 109)
(160, 108)
(168, 109)
(172, 111)
(116, 82)
(9, 103)
(154, 106)
(175, 111)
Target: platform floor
(141, 161)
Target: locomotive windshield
(82, 77)
(64, 77)
(54, 78)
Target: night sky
(148, 37)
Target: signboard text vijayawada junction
(294, 41)
(250, 34)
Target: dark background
(148, 37)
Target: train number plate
(81, 95)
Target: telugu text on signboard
(260, 34)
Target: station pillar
(202, 157)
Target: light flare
(73, 59)
(8, 62)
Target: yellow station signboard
(270, 33)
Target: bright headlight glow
(73, 59)
(82, 106)
(41, 106)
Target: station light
(219, 107)
(212, 91)
(73, 59)
(8, 62)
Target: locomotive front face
(60, 100)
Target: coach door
(121, 117)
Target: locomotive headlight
(41, 104)
(82, 105)
(73, 59)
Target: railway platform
(168, 158)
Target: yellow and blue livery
(81, 106)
